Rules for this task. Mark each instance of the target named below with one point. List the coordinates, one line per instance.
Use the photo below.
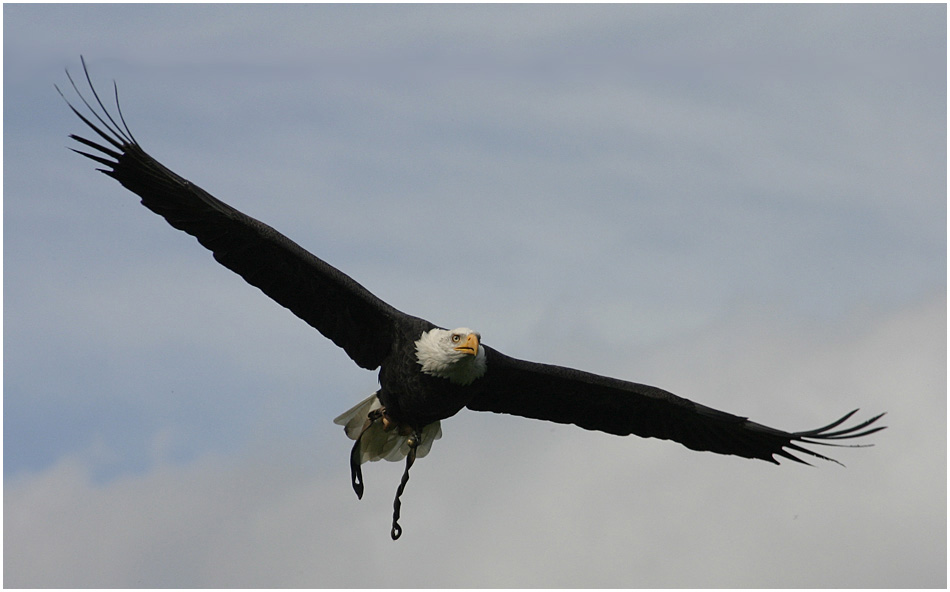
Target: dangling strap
(356, 473)
(410, 458)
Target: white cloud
(510, 502)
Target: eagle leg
(413, 441)
(356, 473)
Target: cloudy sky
(745, 205)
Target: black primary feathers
(402, 416)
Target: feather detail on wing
(563, 395)
(323, 296)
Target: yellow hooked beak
(469, 345)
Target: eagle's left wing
(593, 402)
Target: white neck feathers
(438, 357)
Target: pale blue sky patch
(745, 205)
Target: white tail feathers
(378, 443)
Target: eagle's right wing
(323, 296)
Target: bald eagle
(426, 373)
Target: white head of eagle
(454, 355)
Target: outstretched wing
(323, 296)
(563, 395)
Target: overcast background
(745, 205)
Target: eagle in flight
(426, 373)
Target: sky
(744, 205)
